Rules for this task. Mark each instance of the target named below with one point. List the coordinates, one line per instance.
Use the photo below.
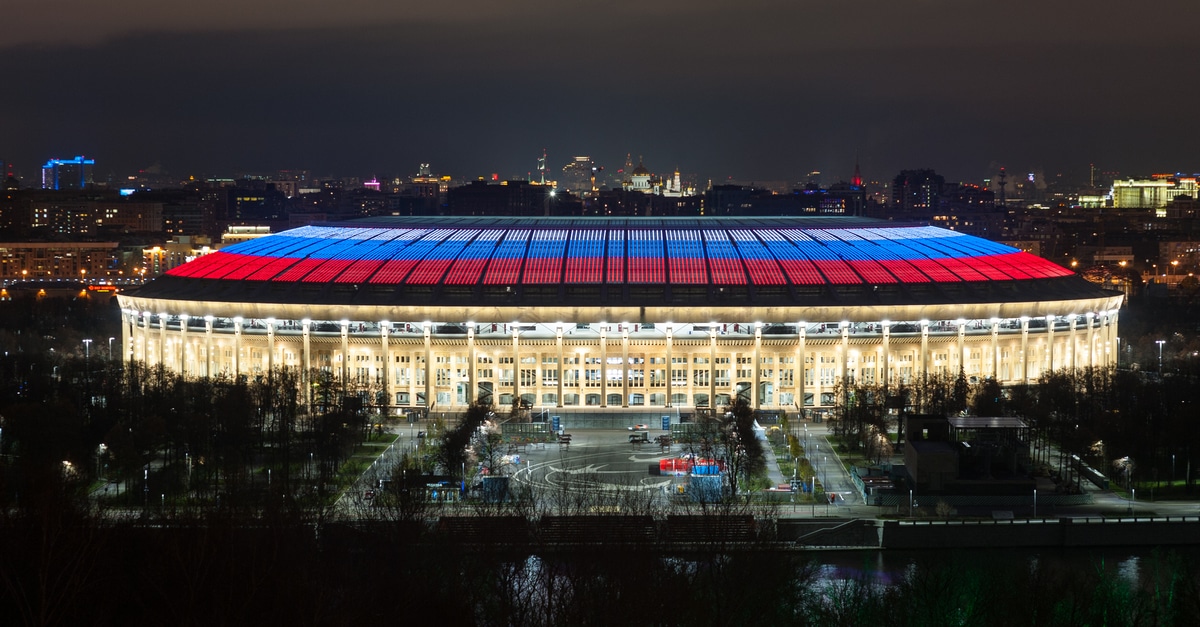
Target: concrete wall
(1064, 532)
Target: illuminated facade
(1151, 194)
(67, 173)
(72, 261)
(675, 312)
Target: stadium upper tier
(632, 261)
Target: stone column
(516, 360)
(208, 346)
(756, 393)
(183, 324)
(996, 349)
(712, 369)
(162, 339)
(603, 365)
(962, 338)
(430, 370)
(126, 335)
(558, 334)
(924, 350)
(305, 330)
(472, 380)
(670, 364)
(887, 353)
(625, 366)
(345, 327)
(1025, 349)
(801, 360)
(145, 337)
(270, 347)
(237, 347)
(385, 329)
(1074, 346)
(1091, 338)
(845, 361)
(1112, 339)
(1049, 343)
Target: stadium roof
(531, 261)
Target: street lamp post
(110, 341)
(87, 363)
(1160, 347)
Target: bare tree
(452, 450)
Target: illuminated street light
(1160, 346)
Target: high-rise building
(8, 181)
(917, 191)
(67, 173)
(579, 175)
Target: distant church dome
(639, 180)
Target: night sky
(748, 90)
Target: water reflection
(891, 567)
(625, 586)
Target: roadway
(603, 462)
(597, 460)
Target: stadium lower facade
(631, 313)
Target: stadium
(681, 313)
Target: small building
(968, 455)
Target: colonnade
(684, 365)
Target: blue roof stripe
(542, 251)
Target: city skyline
(762, 92)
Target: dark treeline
(66, 568)
(71, 423)
(1137, 428)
